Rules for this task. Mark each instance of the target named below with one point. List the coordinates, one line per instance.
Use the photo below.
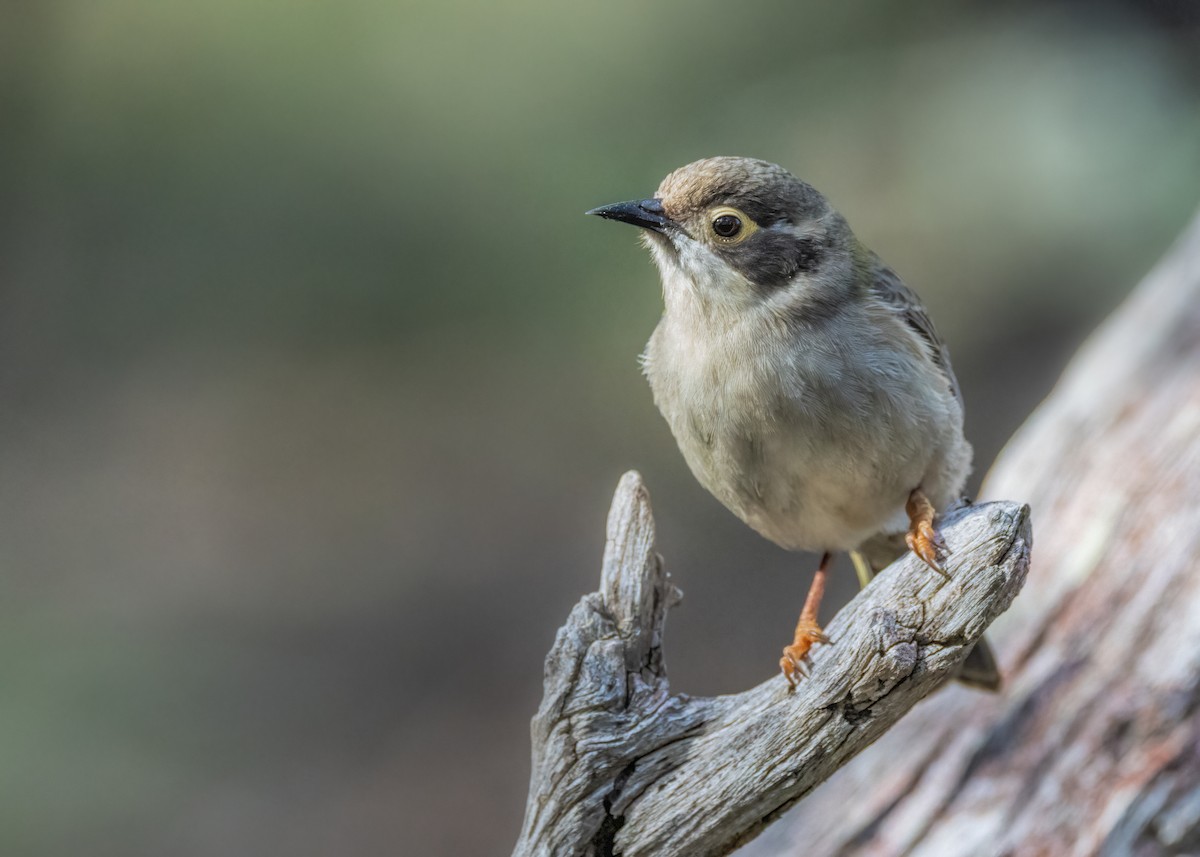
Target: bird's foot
(795, 660)
(927, 543)
(922, 538)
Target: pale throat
(697, 282)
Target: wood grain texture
(1094, 746)
(622, 766)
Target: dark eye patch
(771, 258)
(764, 213)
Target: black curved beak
(646, 213)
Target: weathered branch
(620, 766)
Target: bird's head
(741, 232)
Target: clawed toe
(795, 662)
(926, 543)
(793, 666)
(922, 538)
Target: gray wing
(889, 288)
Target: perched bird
(803, 381)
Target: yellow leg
(862, 569)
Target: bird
(803, 381)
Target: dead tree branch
(621, 766)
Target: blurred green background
(315, 382)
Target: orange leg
(794, 662)
(922, 538)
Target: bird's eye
(727, 225)
(730, 226)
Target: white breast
(815, 447)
